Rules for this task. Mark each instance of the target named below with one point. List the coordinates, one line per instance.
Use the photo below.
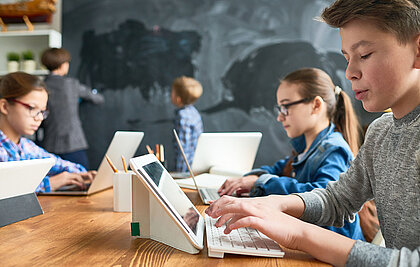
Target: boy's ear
(317, 104)
(3, 106)
(178, 101)
(417, 60)
(61, 68)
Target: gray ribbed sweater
(387, 168)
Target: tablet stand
(151, 220)
(19, 208)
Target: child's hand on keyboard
(66, 178)
(264, 214)
(237, 185)
(88, 176)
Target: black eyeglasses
(33, 112)
(283, 109)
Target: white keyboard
(209, 194)
(246, 241)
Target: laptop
(206, 194)
(18, 182)
(234, 151)
(124, 143)
(221, 155)
(185, 216)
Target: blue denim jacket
(327, 157)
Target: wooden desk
(84, 231)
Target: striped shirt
(189, 126)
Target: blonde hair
(400, 17)
(315, 82)
(188, 89)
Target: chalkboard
(131, 50)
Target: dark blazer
(63, 131)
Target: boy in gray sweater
(63, 132)
(381, 43)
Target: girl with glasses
(324, 131)
(23, 102)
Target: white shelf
(36, 41)
(54, 37)
(36, 72)
(27, 33)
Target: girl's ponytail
(346, 121)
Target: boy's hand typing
(260, 214)
(239, 185)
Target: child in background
(316, 115)
(23, 102)
(381, 43)
(63, 133)
(188, 124)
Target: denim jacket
(327, 157)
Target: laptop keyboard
(73, 188)
(241, 241)
(209, 193)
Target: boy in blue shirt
(188, 125)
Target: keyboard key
(238, 243)
(272, 246)
(225, 241)
(261, 245)
(250, 244)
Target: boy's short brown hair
(188, 89)
(53, 58)
(400, 17)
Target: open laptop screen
(232, 152)
(175, 196)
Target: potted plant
(12, 61)
(29, 63)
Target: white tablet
(22, 177)
(174, 201)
